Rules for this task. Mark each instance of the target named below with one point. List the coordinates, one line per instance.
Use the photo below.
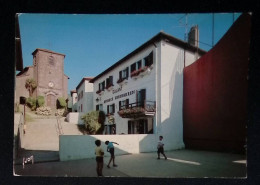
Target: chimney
(193, 36)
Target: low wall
(80, 147)
(75, 117)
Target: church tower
(48, 71)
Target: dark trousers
(161, 150)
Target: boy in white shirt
(160, 148)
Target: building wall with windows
(143, 92)
(74, 100)
(125, 91)
(85, 96)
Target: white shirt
(160, 144)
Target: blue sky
(93, 42)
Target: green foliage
(30, 85)
(94, 122)
(40, 101)
(82, 129)
(31, 103)
(61, 103)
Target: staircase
(42, 133)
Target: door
(51, 100)
(141, 97)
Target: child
(111, 150)
(99, 158)
(160, 148)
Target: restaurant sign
(120, 96)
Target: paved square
(180, 163)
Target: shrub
(45, 111)
(61, 103)
(94, 122)
(31, 103)
(40, 101)
(59, 112)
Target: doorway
(51, 100)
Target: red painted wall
(215, 93)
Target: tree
(30, 85)
(40, 101)
(94, 122)
(61, 103)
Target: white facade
(85, 96)
(74, 100)
(161, 84)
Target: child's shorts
(99, 159)
(112, 152)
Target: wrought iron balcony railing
(137, 109)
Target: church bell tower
(49, 75)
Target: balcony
(138, 109)
(100, 92)
(109, 87)
(141, 72)
(122, 81)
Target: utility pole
(213, 29)
(186, 27)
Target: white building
(74, 100)
(82, 101)
(84, 95)
(143, 92)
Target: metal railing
(137, 109)
(59, 126)
(148, 106)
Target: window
(142, 126)
(110, 129)
(101, 86)
(124, 73)
(141, 96)
(133, 67)
(51, 60)
(109, 81)
(80, 96)
(111, 109)
(148, 61)
(139, 64)
(99, 107)
(124, 104)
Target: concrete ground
(42, 141)
(180, 163)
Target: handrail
(143, 104)
(59, 127)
